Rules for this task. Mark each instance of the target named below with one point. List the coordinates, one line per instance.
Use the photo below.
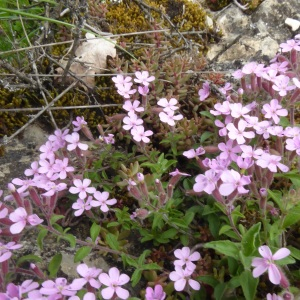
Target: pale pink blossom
(274, 110)
(81, 205)
(169, 106)
(233, 180)
(273, 297)
(78, 124)
(267, 263)
(102, 201)
(82, 188)
(182, 277)
(74, 142)
(227, 87)
(221, 109)
(33, 170)
(272, 162)
(20, 217)
(281, 85)
(53, 187)
(5, 250)
(132, 107)
(131, 121)
(194, 152)
(239, 134)
(58, 138)
(293, 144)
(155, 294)
(169, 117)
(290, 45)
(143, 90)
(229, 150)
(120, 79)
(89, 275)
(253, 68)
(114, 280)
(125, 90)
(238, 110)
(204, 92)
(206, 182)
(62, 167)
(186, 258)
(60, 286)
(139, 134)
(143, 78)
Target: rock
(294, 24)
(253, 37)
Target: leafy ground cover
(199, 177)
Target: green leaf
(82, 253)
(294, 252)
(227, 248)
(95, 231)
(276, 196)
(70, 238)
(184, 239)
(251, 240)
(249, 284)
(207, 114)
(294, 176)
(112, 241)
(169, 234)
(28, 258)
(54, 265)
(55, 218)
(157, 221)
(129, 260)
(219, 291)
(151, 266)
(179, 222)
(136, 277)
(224, 229)
(113, 224)
(189, 217)
(143, 256)
(40, 238)
(208, 279)
(206, 135)
(292, 217)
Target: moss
(128, 17)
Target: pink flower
(273, 110)
(238, 110)
(143, 90)
(74, 142)
(113, 280)
(228, 150)
(131, 121)
(34, 169)
(290, 45)
(253, 68)
(3, 211)
(82, 205)
(102, 201)
(221, 109)
(206, 182)
(89, 276)
(169, 106)
(143, 78)
(53, 187)
(62, 167)
(120, 79)
(181, 277)
(293, 144)
(204, 92)
(272, 162)
(79, 123)
(58, 138)
(125, 90)
(47, 150)
(177, 172)
(281, 85)
(156, 294)
(267, 263)
(227, 87)
(20, 218)
(273, 297)
(169, 117)
(239, 134)
(5, 252)
(139, 134)
(186, 258)
(82, 187)
(232, 180)
(59, 286)
(132, 107)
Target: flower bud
(140, 177)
